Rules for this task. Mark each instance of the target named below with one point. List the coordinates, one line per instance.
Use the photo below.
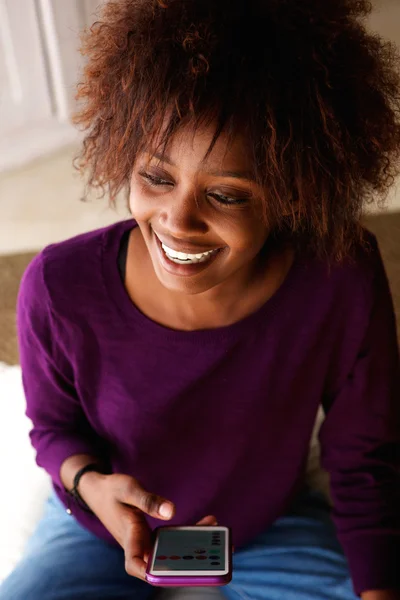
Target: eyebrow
(234, 174)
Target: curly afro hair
(317, 96)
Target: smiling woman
(174, 364)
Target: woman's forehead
(193, 145)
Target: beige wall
(385, 20)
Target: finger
(151, 504)
(137, 544)
(209, 520)
(136, 567)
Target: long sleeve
(360, 448)
(60, 428)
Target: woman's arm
(60, 428)
(360, 448)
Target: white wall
(39, 65)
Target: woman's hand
(381, 595)
(121, 504)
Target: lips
(186, 258)
(182, 257)
(181, 262)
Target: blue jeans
(298, 558)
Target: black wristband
(94, 467)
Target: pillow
(24, 487)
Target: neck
(217, 307)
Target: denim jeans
(297, 558)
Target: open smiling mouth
(182, 258)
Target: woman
(174, 364)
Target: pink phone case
(190, 581)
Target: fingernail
(165, 510)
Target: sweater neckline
(134, 318)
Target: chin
(186, 285)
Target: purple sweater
(219, 421)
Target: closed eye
(227, 200)
(154, 180)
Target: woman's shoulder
(364, 267)
(358, 271)
(71, 269)
(348, 288)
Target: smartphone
(191, 556)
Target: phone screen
(191, 549)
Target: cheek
(140, 206)
(246, 235)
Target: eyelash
(155, 181)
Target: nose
(182, 216)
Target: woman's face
(201, 220)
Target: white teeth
(184, 258)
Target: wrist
(89, 485)
(72, 465)
(95, 468)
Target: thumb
(151, 504)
